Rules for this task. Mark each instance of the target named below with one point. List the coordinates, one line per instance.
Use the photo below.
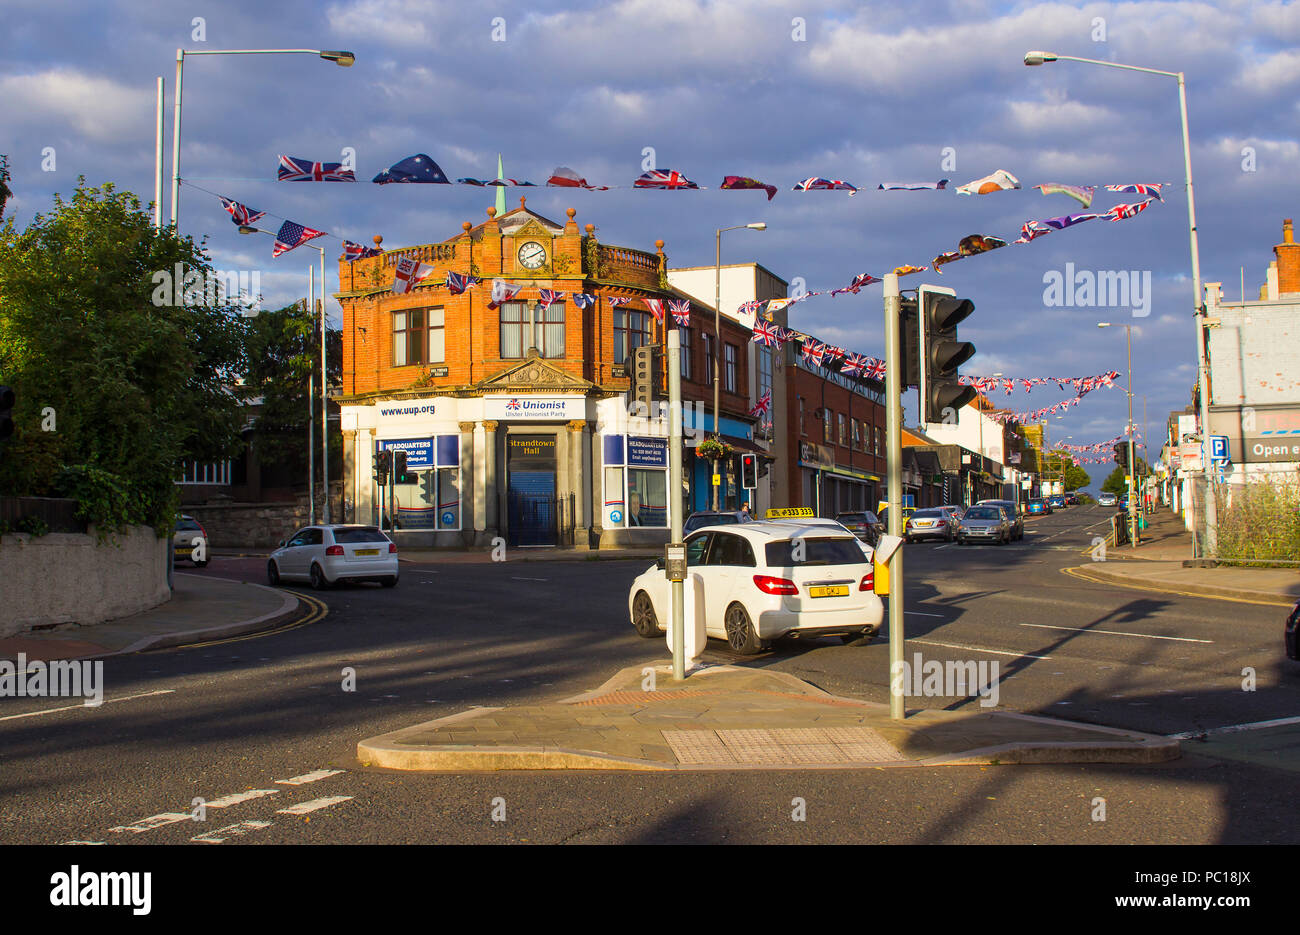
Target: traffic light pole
(678, 622)
(894, 482)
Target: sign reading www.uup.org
(533, 408)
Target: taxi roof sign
(790, 512)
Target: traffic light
(6, 412)
(941, 353)
(383, 465)
(1121, 455)
(909, 345)
(645, 377)
(749, 471)
(400, 474)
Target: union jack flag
(767, 333)
(813, 351)
(242, 215)
(660, 178)
(549, 297)
(853, 365)
(355, 251)
(456, 283)
(616, 300)
(875, 368)
(820, 184)
(583, 301)
(292, 235)
(304, 170)
(862, 279)
(681, 309)
(751, 308)
(1150, 189)
(833, 353)
(1123, 212)
(763, 405)
(656, 307)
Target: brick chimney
(1288, 262)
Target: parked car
(326, 555)
(1012, 509)
(1072, 499)
(931, 523)
(984, 524)
(701, 518)
(1292, 625)
(1056, 501)
(1038, 507)
(864, 524)
(757, 587)
(1107, 499)
(188, 539)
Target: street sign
(1219, 448)
(1191, 456)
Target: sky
(866, 92)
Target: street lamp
(338, 57)
(1203, 368)
(717, 336)
(324, 380)
(1128, 430)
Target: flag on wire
(813, 351)
(739, 181)
(583, 301)
(656, 307)
(875, 368)
(860, 280)
(292, 234)
(564, 177)
(763, 405)
(615, 301)
(417, 168)
(1149, 189)
(912, 186)
(409, 273)
(1080, 193)
(1123, 212)
(304, 170)
(242, 215)
(854, 365)
(502, 291)
(456, 283)
(663, 178)
(355, 251)
(820, 184)
(549, 297)
(681, 309)
(998, 181)
(767, 333)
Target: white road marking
(1148, 636)
(313, 776)
(315, 804)
(74, 707)
(83, 842)
(232, 831)
(979, 649)
(227, 800)
(153, 821)
(917, 613)
(516, 578)
(1237, 728)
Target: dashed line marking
(227, 800)
(73, 707)
(1236, 728)
(230, 831)
(314, 805)
(83, 842)
(153, 821)
(1147, 636)
(313, 776)
(979, 649)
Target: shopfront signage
(534, 408)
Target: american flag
(1150, 189)
(660, 178)
(656, 307)
(767, 333)
(242, 215)
(681, 309)
(1123, 212)
(549, 297)
(583, 301)
(820, 184)
(763, 405)
(304, 170)
(355, 251)
(293, 234)
(457, 283)
(813, 351)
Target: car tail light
(769, 585)
(392, 548)
(868, 582)
(940, 522)
(334, 550)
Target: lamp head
(757, 226)
(1038, 58)
(341, 58)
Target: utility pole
(894, 481)
(678, 622)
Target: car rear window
(187, 524)
(925, 513)
(983, 512)
(841, 551)
(361, 534)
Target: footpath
(201, 609)
(1156, 564)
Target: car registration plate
(830, 590)
(366, 552)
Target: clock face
(532, 255)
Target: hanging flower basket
(714, 449)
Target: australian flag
(292, 235)
(242, 215)
(304, 170)
(417, 168)
(355, 251)
(456, 283)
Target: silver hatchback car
(984, 524)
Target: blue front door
(531, 504)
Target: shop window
(431, 499)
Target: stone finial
(377, 239)
(659, 246)
(523, 201)
(467, 227)
(570, 213)
(590, 229)
(492, 212)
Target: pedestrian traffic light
(645, 377)
(400, 474)
(6, 412)
(940, 353)
(383, 465)
(749, 471)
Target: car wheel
(318, 578)
(272, 575)
(644, 620)
(202, 564)
(389, 582)
(740, 632)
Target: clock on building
(532, 255)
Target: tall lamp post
(337, 57)
(1128, 430)
(717, 337)
(1198, 313)
(324, 378)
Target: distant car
(326, 555)
(766, 580)
(701, 518)
(1057, 501)
(883, 513)
(984, 524)
(1072, 499)
(1292, 625)
(931, 523)
(1012, 509)
(1038, 507)
(864, 524)
(188, 539)
(1107, 499)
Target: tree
(115, 388)
(1117, 484)
(1076, 478)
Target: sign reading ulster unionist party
(513, 408)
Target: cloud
(96, 107)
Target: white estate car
(761, 582)
(324, 555)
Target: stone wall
(73, 578)
(260, 525)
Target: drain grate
(793, 746)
